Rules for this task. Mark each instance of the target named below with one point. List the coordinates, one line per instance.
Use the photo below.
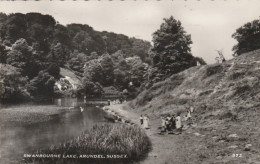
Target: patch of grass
(236, 75)
(207, 92)
(29, 114)
(106, 139)
(228, 114)
(240, 90)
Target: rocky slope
(68, 83)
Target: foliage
(38, 45)
(200, 60)
(171, 51)
(42, 85)
(248, 37)
(3, 53)
(13, 85)
(21, 56)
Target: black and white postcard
(130, 82)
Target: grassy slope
(226, 101)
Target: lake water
(17, 140)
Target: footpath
(164, 147)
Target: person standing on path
(146, 122)
(178, 122)
(141, 120)
(189, 120)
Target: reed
(105, 139)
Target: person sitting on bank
(167, 124)
(173, 122)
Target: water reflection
(18, 140)
(68, 102)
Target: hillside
(225, 98)
(36, 45)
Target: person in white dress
(178, 122)
(163, 125)
(191, 109)
(146, 122)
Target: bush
(211, 70)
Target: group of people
(144, 121)
(117, 101)
(170, 123)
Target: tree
(100, 70)
(12, 84)
(42, 85)
(58, 54)
(21, 56)
(171, 51)
(248, 38)
(3, 54)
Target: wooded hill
(33, 47)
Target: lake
(17, 140)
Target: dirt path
(163, 146)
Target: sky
(210, 22)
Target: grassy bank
(108, 139)
(225, 97)
(29, 114)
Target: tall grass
(106, 139)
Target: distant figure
(121, 100)
(117, 101)
(108, 102)
(163, 125)
(191, 109)
(146, 122)
(173, 122)
(168, 123)
(188, 115)
(85, 99)
(178, 122)
(81, 109)
(141, 120)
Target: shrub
(214, 69)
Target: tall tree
(248, 37)
(21, 56)
(171, 51)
